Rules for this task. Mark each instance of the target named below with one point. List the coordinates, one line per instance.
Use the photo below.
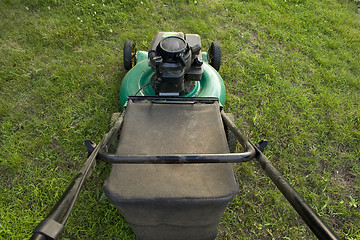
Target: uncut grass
(291, 71)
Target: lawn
(292, 73)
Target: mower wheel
(214, 55)
(129, 54)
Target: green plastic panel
(137, 81)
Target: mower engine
(177, 63)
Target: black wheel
(214, 55)
(129, 54)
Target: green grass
(292, 73)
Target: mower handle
(38, 236)
(310, 217)
(185, 158)
(53, 225)
(177, 159)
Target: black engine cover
(177, 62)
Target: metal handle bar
(177, 159)
(187, 158)
(53, 225)
(310, 217)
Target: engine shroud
(176, 61)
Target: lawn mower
(172, 175)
